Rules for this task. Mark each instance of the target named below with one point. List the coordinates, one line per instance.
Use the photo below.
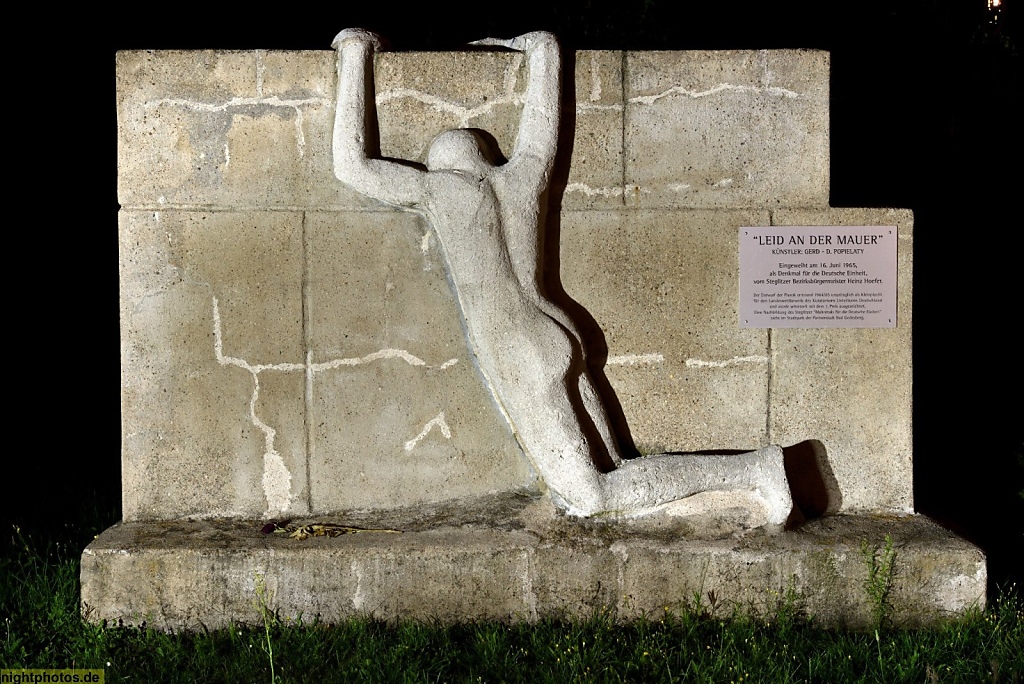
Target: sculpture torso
(491, 242)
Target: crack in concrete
(634, 359)
(590, 191)
(698, 363)
(582, 107)
(438, 422)
(714, 90)
(260, 69)
(272, 101)
(462, 113)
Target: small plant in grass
(262, 603)
(789, 610)
(880, 564)
(878, 585)
(700, 607)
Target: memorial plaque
(818, 277)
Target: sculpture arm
(355, 142)
(537, 140)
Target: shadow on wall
(596, 351)
(811, 480)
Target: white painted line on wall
(260, 68)
(425, 249)
(463, 114)
(698, 363)
(300, 136)
(582, 107)
(218, 350)
(714, 90)
(276, 478)
(634, 359)
(277, 483)
(437, 421)
(375, 356)
(595, 80)
(591, 191)
(272, 101)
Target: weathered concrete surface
(284, 341)
(514, 560)
(417, 98)
(727, 128)
(227, 129)
(701, 129)
(207, 299)
(226, 413)
(596, 178)
(661, 285)
(850, 389)
(664, 288)
(417, 424)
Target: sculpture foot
(773, 486)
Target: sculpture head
(463, 149)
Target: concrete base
(516, 559)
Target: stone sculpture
(489, 215)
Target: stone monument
(345, 312)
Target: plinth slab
(516, 559)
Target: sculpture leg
(595, 408)
(642, 484)
(527, 358)
(551, 434)
(588, 393)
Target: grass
(42, 628)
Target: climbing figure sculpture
(489, 217)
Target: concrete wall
(289, 346)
